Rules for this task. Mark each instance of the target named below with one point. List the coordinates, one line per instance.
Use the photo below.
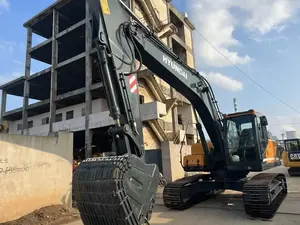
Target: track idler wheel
(117, 190)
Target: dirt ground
(50, 215)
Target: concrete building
(70, 93)
(292, 134)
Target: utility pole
(235, 105)
(282, 136)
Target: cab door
(262, 138)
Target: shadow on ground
(226, 209)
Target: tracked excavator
(120, 188)
(291, 156)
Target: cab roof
(248, 112)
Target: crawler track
(181, 194)
(294, 171)
(263, 194)
(107, 190)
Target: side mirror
(263, 121)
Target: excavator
(291, 156)
(121, 188)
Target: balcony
(188, 128)
(182, 98)
(99, 119)
(153, 110)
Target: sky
(260, 37)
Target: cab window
(291, 145)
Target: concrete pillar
(88, 83)
(174, 114)
(172, 168)
(3, 104)
(173, 96)
(26, 83)
(54, 62)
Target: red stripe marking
(133, 84)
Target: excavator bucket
(115, 190)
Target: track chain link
(172, 195)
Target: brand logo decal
(174, 66)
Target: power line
(246, 74)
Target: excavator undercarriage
(262, 194)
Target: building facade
(69, 93)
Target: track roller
(117, 190)
(186, 192)
(263, 194)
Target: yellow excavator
(121, 188)
(291, 156)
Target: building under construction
(70, 95)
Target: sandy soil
(50, 215)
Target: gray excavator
(120, 188)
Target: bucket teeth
(106, 190)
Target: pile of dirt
(50, 215)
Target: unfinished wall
(34, 172)
(161, 9)
(189, 42)
(188, 117)
(145, 91)
(172, 168)
(187, 112)
(150, 139)
(99, 107)
(188, 36)
(190, 60)
(139, 13)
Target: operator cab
(249, 147)
(291, 156)
(292, 147)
